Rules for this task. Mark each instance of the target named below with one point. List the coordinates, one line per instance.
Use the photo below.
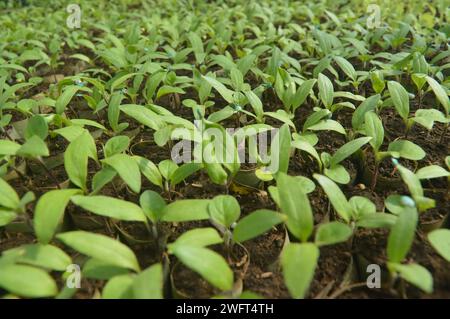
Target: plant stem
(154, 230)
(73, 111)
(403, 289)
(420, 94)
(375, 176)
(340, 291)
(28, 219)
(168, 190)
(49, 172)
(7, 135)
(25, 179)
(109, 228)
(408, 127)
(115, 189)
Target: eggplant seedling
(224, 212)
(330, 164)
(290, 194)
(400, 241)
(373, 127)
(413, 182)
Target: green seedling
(373, 127)
(400, 241)
(330, 165)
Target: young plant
(412, 181)
(218, 152)
(400, 241)
(12, 207)
(191, 250)
(327, 94)
(373, 127)
(400, 99)
(123, 164)
(299, 260)
(224, 212)
(268, 164)
(348, 70)
(330, 164)
(25, 270)
(32, 150)
(290, 95)
(358, 211)
(237, 98)
(125, 276)
(81, 148)
(203, 88)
